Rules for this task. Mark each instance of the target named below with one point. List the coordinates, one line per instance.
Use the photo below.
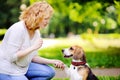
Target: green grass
(100, 36)
(101, 51)
(109, 78)
(102, 58)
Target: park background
(92, 24)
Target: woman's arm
(56, 63)
(23, 53)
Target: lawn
(98, 53)
(102, 51)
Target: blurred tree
(117, 11)
(70, 16)
(9, 12)
(89, 14)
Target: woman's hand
(58, 64)
(37, 44)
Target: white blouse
(16, 39)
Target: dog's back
(91, 76)
(85, 71)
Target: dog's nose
(62, 50)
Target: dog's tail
(91, 76)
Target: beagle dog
(79, 69)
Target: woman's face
(43, 23)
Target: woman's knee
(51, 74)
(40, 71)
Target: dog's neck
(78, 62)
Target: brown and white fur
(79, 69)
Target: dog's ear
(83, 57)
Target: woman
(18, 50)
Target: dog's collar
(78, 63)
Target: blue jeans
(35, 72)
(9, 77)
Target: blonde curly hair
(35, 13)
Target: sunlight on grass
(103, 50)
(105, 43)
(93, 43)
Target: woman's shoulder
(18, 26)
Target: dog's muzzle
(66, 56)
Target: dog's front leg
(67, 70)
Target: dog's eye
(71, 48)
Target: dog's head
(76, 52)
